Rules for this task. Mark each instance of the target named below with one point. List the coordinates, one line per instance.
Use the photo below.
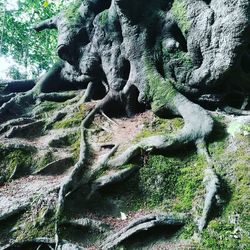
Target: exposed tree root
(16, 86)
(15, 122)
(72, 181)
(110, 179)
(211, 182)
(6, 98)
(198, 125)
(28, 147)
(20, 130)
(41, 243)
(55, 167)
(93, 225)
(14, 210)
(56, 97)
(235, 111)
(142, 224)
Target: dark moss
(14, 163)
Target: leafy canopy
(35, 52)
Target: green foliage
(72, 13)
(179, 10)
(34, 51)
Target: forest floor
(33, 166)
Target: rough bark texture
(178, 58)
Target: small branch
(109, 119)
(50, 23)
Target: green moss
(71, 12)
(40, 225)
(165, 183)
(73, 121)
(43, 161)
(231, 229)
(46, 107)
(174, 179)
(179, 10)
(14, 161)
(103, 17)
(160, 91)
(75, 149)
(159, 126)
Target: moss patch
(42, 224)
(43, 161)
(103, 17)
(160, 90)
(73, 121)
(179, 10)
(14, 163)
(159, 126)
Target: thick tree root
(55, 167)
(139, 225)
(20, 130)
(198, 125)
(72, 181)
(15, 122)
(110, 179)
(41, 243)
(28, 147)
(211, 182)
(56, 97)
(14, 210)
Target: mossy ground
(16, 162)
(40, 224)
(173, 184)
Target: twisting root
(198, 125)
(110, 179)
(72, 181)
(139, 225)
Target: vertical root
(72, 181)
(212, 185)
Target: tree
(177, 57)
